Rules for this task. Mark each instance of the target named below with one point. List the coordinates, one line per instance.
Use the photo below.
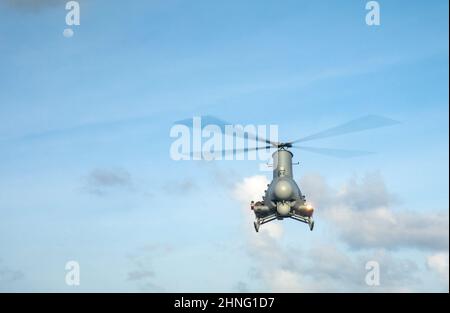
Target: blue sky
(84, 136)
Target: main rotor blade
(338, 153)
(227, 151)
(357, 125)
(212, 120)
(246, 149)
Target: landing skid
(304, 219)
(263, 220)
(260, 221)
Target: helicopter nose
(283, 190)
(283, 208)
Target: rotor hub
(284, 145)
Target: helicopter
(283, 197)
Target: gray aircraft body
(283, 198)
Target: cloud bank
(364, 225)
(364, 215)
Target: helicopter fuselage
(283, 197)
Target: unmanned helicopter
(283, 198)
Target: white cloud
(252, 188)
(362, 213)
(263, 247)
(439, 263)
(282, 280)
